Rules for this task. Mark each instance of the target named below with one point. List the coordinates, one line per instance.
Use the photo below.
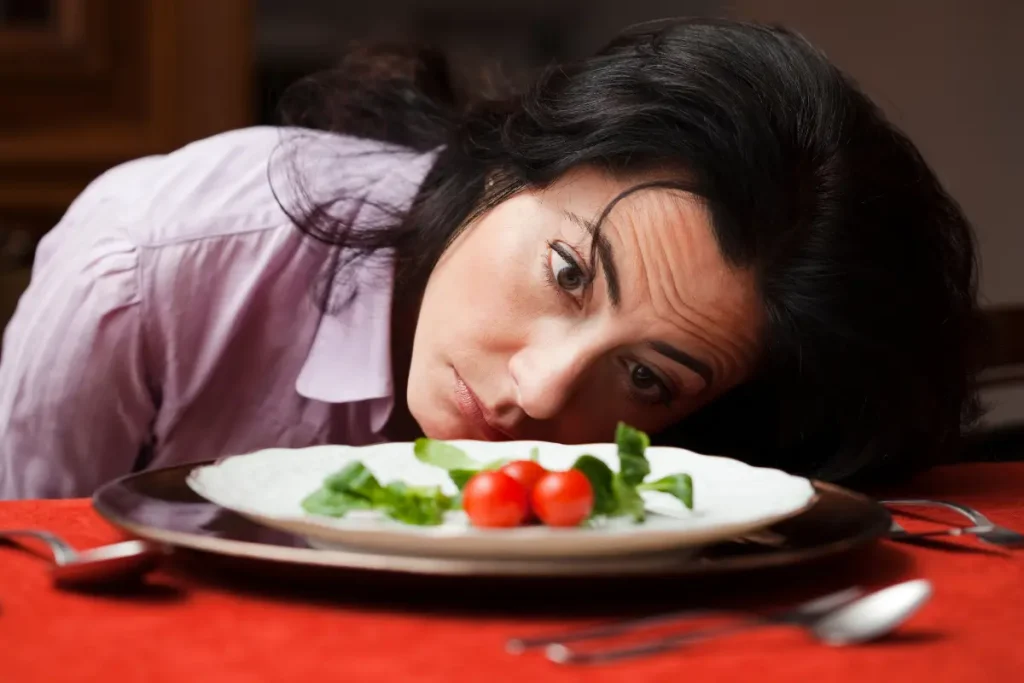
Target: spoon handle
(61, 551)
(563, 654)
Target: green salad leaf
(461, 477)
(495, 465)
(353, 479)
(632, 443)
(443, 455)
(323, 501)
(354, 487)
(600, 477)
(459, 466)
(678, 485)
(617, 494)
(419, 505)
(630, 503)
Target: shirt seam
(159, 244)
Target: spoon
(856, 621)
(117, 563)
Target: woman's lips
(469, 405)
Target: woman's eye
(566, 274)
(646, 384)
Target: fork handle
(903, 534)
(970, 513)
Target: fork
(983, 528)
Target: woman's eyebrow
(683, 358)
(604, 254)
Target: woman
(705, 230)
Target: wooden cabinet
(87, 84)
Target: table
(187, 627)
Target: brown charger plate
(158, 505)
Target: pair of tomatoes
(523, 490)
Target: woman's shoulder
(248, 180)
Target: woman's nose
(547, 375)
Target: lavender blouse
(172, 315)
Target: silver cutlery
(898, 533)
(983, 528)
(812, 607)
(117, 563)
(835, 619)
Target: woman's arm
(75, 408)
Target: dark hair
(865, 265)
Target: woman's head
(546, 320)
(769, 229)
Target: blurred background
(86, 84)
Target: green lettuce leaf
(678, 485)
(632, 443)
(443, 455)
(353, 479)
(628, 500)
(461, 477)
(600, 477)
(323, 501)
(418, 505)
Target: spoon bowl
(108, 565)
(873, 615)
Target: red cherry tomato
(526, 472)
(562, 498)
(494, 499)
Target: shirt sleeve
(75, 407)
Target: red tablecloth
(197, 630)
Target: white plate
(730, 499)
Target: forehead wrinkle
(699, 323)
(647, 273)
(631, 255)
(675, 296)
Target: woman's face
(521, 336)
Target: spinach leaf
(600, 477)
(351, 488)
(353, 479)
(627, 499)
(323, 501)
(443, 455)
(678, 485)
(460, 467)
(632, 443)
(461, 477)
(535, 454)
(419, 505)
(355, 488)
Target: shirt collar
(350, 357)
